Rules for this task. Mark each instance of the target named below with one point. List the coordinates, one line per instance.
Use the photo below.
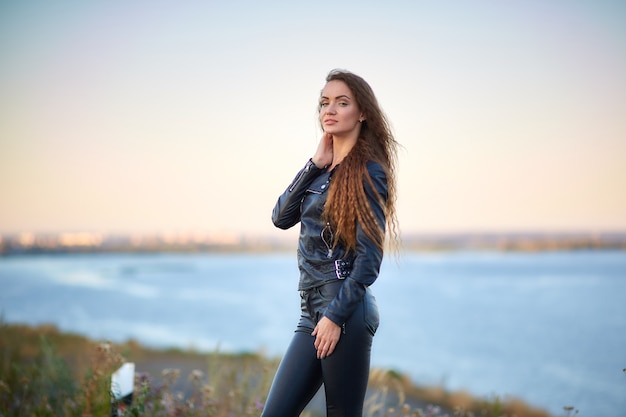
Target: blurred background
(156, 125)
(155, 116)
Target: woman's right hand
(324, 154)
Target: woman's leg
(297, 379)
(346, 370)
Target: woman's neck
(341, 149)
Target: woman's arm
(369, 255)
(286, 212)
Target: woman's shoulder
(375, 169)
(378, 177)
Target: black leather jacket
(303, 201)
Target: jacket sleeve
(286, 212)
(369, 256)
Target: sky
(154, 116)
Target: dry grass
(44, 372)
(413, 400)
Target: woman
(344, 199)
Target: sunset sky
(154, 116)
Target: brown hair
(347, 204)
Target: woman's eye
(323, 104)
(343, 104)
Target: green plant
(40, 385)
(44, 372)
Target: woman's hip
(313, 303)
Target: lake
(549, 328)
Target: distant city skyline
(66, 242)
(139, 117)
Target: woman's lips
(330, 122)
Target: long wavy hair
(347, 205)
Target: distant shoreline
(86, 242)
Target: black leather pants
(344, 373)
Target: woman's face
(339, 112)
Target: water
(549, 328)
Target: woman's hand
(327, 335)
(324, 154)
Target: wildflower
(196, 376)
(4, 387)
(170, 376)
(142, 378)
(105, 347)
